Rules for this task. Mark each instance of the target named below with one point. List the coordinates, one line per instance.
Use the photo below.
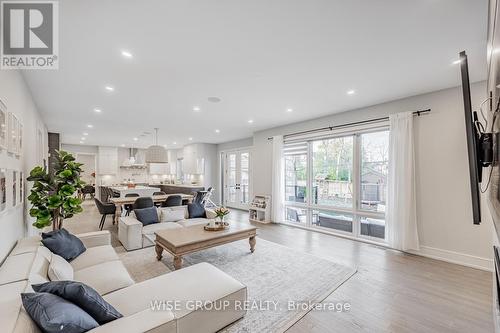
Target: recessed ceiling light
(351, 92)
(456, 62)
(90, 126)
(289, 110)
(109, 88)
(85, 133)
(214, 99)
(136, 139)
(217, 131)
(190, 139)
(97, 110)
(83, 138)
(196, 109)
(174, 143)
(127, 54)
(81, 142)
(250, 121)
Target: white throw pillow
(172, 214)
(59, 269)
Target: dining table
(119, 202)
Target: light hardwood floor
(391, 292)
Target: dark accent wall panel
(54, 144)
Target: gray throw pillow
(83, 296)
(54, 314)
(147, 215)
(64, 244)
(196, 210)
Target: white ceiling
(260, 57)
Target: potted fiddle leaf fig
(53, 197)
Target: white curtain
(278, 180)
(401, 212)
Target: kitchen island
(181, 188)
(143, 191)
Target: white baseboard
(455, 258)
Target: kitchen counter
(143, 191)
(181, 188)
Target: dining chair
(173, 200)
(104, 208)
(158, 204)
(143, 202)
(129, 207)
(87, 190)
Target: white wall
(443, 188)
(16, 223)
(231, 145)
(83, 149)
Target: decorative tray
(218, 226)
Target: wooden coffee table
(179, 242)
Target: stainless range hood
(132, 153)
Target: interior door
(237, 179)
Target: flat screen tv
(475, 168)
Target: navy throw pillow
(82, 296)
(147, 215)
(196, 210)
(64, 244)
(54, 314)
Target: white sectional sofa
(100, 267)
(133, 235)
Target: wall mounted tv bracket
(485, 139)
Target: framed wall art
(16, 136)
(21, 187)
(3, 125)
(20, 139)
(11, 133)
(3, 189)
(14, 189)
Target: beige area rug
(272, 273)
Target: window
(332, 172)
(296, 215)
(333, 220)
(245, 177)
(231, 171)
(296, 172)
(374, 169)
(338, 183)
(372, 227)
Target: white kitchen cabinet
(173, 155)
(193, 162)
(159, 168)
(107, 161)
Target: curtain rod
(331, 128)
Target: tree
(53, 197)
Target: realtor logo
(29, 36)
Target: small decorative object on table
(221, 212)
(216, 226)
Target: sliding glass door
(338, 183)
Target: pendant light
(156, 153)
